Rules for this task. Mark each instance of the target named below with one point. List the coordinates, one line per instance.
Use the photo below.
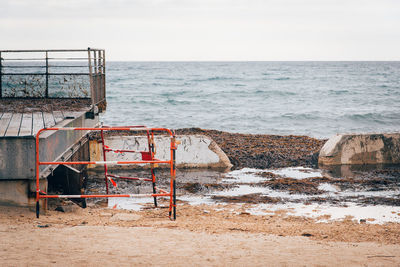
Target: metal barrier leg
(105, 159)
(150, 141)
(37, 209)
(174, 200)
(153, 176)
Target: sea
(318, 99)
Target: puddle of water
(249, 175)
(242, 190)
(245, 175)
(297, 172)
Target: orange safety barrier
(147, 157)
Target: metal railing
(57, 73)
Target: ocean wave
(282, 79)
(275, 92)
(388, 118)
(338, 92)
(168, 78)
(300, 116)
(175, 102)
(214, 78)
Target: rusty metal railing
(57, 73)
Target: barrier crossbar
(148, 157)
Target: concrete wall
(17, 154)
(361, 149)
(17, 160)
(195, 151)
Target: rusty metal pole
(103, 94)
(1, 76)
(47, 75)
(91, 77)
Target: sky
(207, 30)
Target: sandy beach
(201, 236)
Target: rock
(361, 149)
(307, 234)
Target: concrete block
(20, 192)
(194, 151)
(359, 149)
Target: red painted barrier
(147, 158)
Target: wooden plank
(26, 125)
(48, 119)
(15, 123)
(37, 122)
(58, 116)
(4, 122)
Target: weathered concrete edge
(361, 149)
(222, 163)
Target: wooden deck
(29, 123)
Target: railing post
(1, 76)
(91, 76)
(47, 75)
(103, 92)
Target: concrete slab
(359, 149)
(195, 151)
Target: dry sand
(201, 236)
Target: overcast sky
(208, 29)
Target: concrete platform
(17, 149)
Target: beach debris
(43, 225)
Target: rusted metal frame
(66, 73)
(91, 76)
(92, 196)
(24, 66)
(103, 162)
(103, 91)
(105, 159)
(47, 75)
(38, 97)
(49, 50)
(1, 76)
(98, 78)
(68, 66)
